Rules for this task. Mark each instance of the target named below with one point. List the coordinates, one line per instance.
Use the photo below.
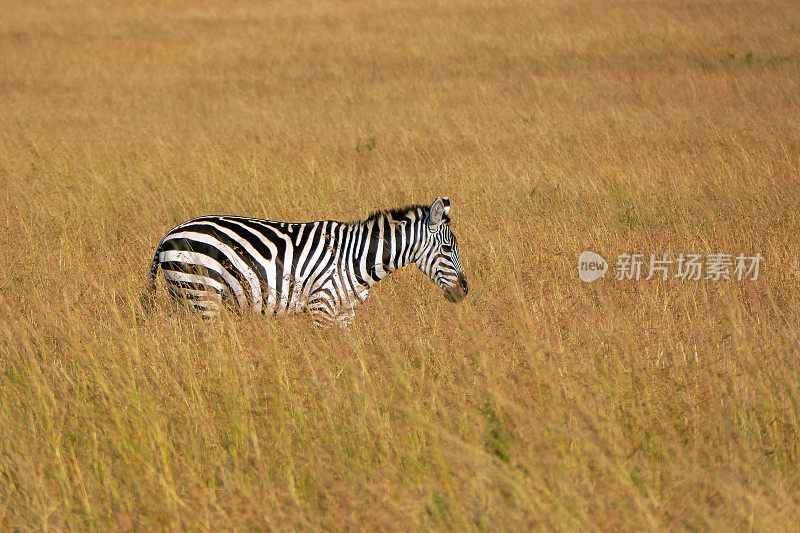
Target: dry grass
(554, 127)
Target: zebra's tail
(149, 294)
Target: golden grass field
(540, 402)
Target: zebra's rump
(247, 263)
(197, 286)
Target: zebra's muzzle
(459, 291)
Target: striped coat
(325, 268)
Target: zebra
(325, 268)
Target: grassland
(540, 401)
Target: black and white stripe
(325, 267)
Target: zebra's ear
(439, 210)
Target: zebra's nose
(457, 291)
(462, 282)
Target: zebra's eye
(446, 248)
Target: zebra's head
(438, 257)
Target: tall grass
(538, 402)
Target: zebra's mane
(400, 212)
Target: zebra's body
(324, 267)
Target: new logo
(591, 266)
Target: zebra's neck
(382, 244)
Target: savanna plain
(540, 401)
